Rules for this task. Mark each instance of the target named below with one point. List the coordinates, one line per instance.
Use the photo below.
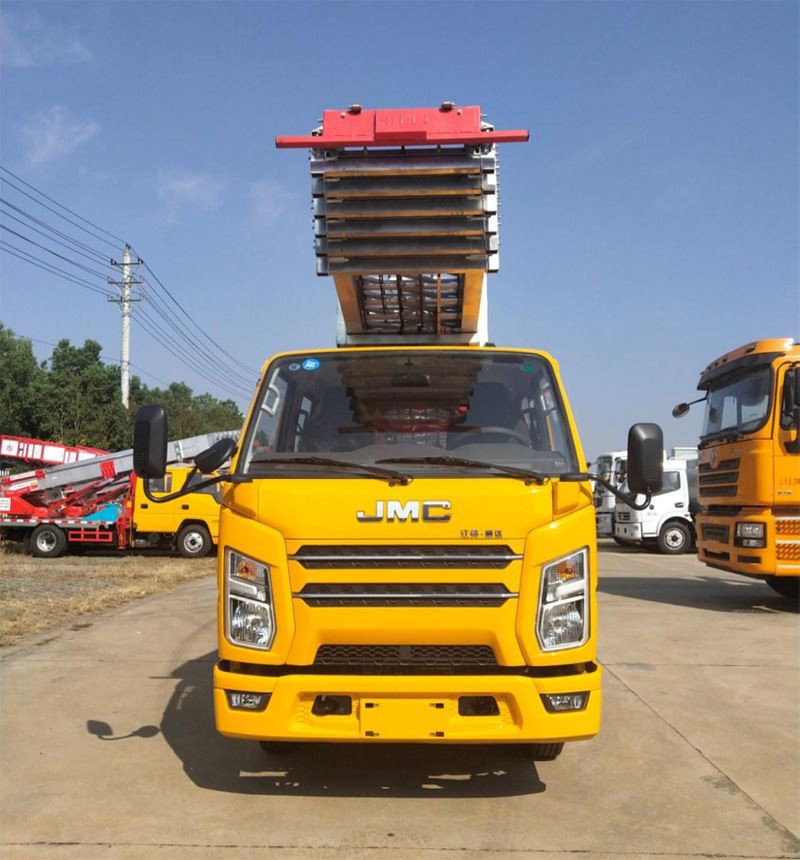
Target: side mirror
(212, 458)
(680, 410)
(645, 459)
(150, 442)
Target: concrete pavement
(109, 750)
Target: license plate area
(404, 717)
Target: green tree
(78, 400)
(20, 373)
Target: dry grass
(43, 594)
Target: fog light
(247, 701)
(332, 706)
(556, 702)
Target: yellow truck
(749, 463)
(99, 502)
(407, 538)
(190, 523)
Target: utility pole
(127, 266)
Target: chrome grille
(423, 659)
(404, 594)
(404, 556)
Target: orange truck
(749, 463)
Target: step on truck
(749, 463)
(407, 538)
(668, 521)
(99, 502)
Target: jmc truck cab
(407, 538)
(749, 463)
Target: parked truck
(99, 501)
(407, 540)
(668, 521)
(749, 463)
(613, 468)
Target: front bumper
(628, 531)
(418, 708)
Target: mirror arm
(184, 491)
(629, 499)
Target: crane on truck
(749, 463)
(99, 501)
(38, 451)
(407, 540)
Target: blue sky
(649, 225)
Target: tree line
(74, 398)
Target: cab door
(150, 516)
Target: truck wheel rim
(193, 542)
(46, 542)
(674, 538)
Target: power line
(101, 275)
(210, 357)
(89, 257)
(189, 317)
(61, 205)
(77, 242)
(169, 317)
(145, 326)
(208, 370)
(55, 212)
(47, 267)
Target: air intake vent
(419, 659)
(406, 556)
(425, 594)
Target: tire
(194, 541)
(48, 541)
(674, 538)
(786, 586)
(619, 541)
(546, 752)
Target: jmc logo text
(394, 511)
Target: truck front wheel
(546, 752)
(786, 586)
(674, 538)
(194, 541)
(48, 541)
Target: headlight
(249, 618)
(563, 620)
(751, 534)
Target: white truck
(613, 468)
(668, 521)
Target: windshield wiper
(528, 476)
(393, 477)
(721, 436)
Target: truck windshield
(611, 469)
(738, 405)
(369, 406)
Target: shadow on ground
(715, 594)
(337, 770)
